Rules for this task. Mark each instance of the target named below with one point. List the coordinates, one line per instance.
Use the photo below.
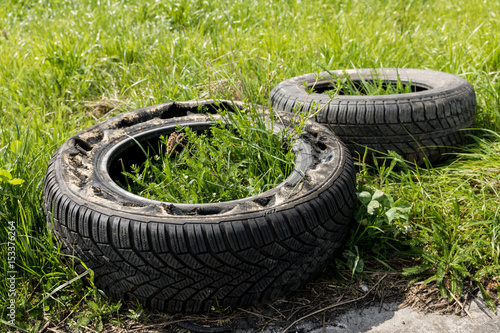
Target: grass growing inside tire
(344, 85)
(228, 162)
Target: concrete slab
(390, 319)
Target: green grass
(453, 225)
(67, 64)
(344, 85)
(236, 158)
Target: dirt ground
(314, 306)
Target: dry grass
(318, 300)
(232, 90)
(106, 106)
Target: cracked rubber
(191, 257)
(428, 123)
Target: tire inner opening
(137, 150)
(363, 88)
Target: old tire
(428, 123)
(185, 257)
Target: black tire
(428, 123)
(185, 257)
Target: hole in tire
(321, 145)
(124, 123)
(83, 144)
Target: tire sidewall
(101, 182)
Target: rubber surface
(188, 258)
(428, 123)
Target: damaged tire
(191, 257)
(428, 123)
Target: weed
(218, 309)
(236, 158)
(382, 227)
(447, 227)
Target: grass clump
(345, 85)
(236, 158)
(446, 220)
